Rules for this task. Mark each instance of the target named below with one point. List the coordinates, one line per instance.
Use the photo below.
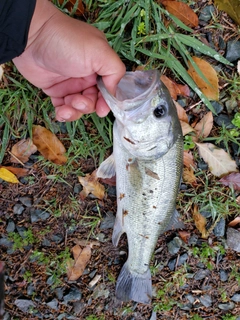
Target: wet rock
(219, 229)
(6, 316)
(101, 237)
(186, 306)
(21, 231)
(53, 304)
(236, 297)
(108, 221)
(202, 165)
(101, 291)
(5, 242)
(193, 240)
(218, 107)
(172, 264)
(46, 243)
(223, 275)
(226, 306)
(57, 238)
(153, 316)
(202, 274)
(206, 300)
(225, 120)
(206, 214)
(231, 105)
(190, 298)
(10, 226)
(233, 50)
(174, 245)
(18, 208)
(73, 295)
(26, 201)
(59, 293)
(93, 273)
(78, 307)
(24, 304)
(233, 239)
(206, 13)
(77, 188)
(37, 215)
(30, 289)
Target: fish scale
(147, 160)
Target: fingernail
(80, 107)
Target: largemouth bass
(147, 160)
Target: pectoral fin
(107, 168)
(175, 222)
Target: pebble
(182, 259)
(225, 120)
(21, 231)
(53, 304)
(202, 165)
(30, 289)
(233, 239)
(223, 275)
(5, 242)
(193, 240)
(24, 304)
(77, 188)
(26, 201)
(226, 306)
(202, 274)
(174, 245)
(59, 293)
(186, 306)
(219, 229)
(78, 307)
(10, 226)
(233, 50)
(236, 297)
(231, 104)
(18, 208)
(153, 316)
(206, 300)
(108, 221)
(37, 215)
(206, 13)
(100, 291)
(190, 298)
(57, 238)
(218, 107)
(73, 295)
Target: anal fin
(107, 169)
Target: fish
(147, 160)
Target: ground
(44, 216)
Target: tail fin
(133, 286)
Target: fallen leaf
(91, 185)
(22, 150)
(218, 160)
(71, 4)
(1, 71)
(8, 176)
(189, 177)
(184, 235)
(48, 145)
(174, 88)
(233, 179)
(231, 7)
(19, 172)
(186, 128)
(188, 160)
(234, 222)
(204, 126)
(182, 115)
(81, 258)
(210, 88)
(182, 11)
(200, 222)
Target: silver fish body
(147, 159)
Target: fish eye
(159, 111)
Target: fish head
(146, 116)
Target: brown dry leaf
(204, 126)
(110, 181)
(19, 172)
(174, 88)
(210, 88)
(233, 179)
(186, 128)
(200, 222)
(234, 222)
(91, 185)
(182, 11)
(48, 145)
(188, 160)
(184, 235)
(70, 4)
(1, 71)
(22, 150)
(189, 177)
(81, 259)
(182, 115)
(218, 160)
(8, 176)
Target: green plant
(196, 317)
(93, 317)
(188, 142)
(207, 254)
(19, 242)
(229, 317)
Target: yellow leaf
(200, 222)
(231, 7)
(210, 88)
(8, 176)
(218, 160)
(49, 145)
(91, 185)
(19, 172)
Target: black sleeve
(15, 19)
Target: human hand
(63, 57)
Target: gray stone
(206, 13)
(73, 295)
(26, 201)
(224, 120)
(233, 50)
(18, 208)
(186, 306)
(233, 239)
(24, 304)
(57, 238)
(174, 245)
(236, 297)
(37, 215)
(193, 240)
(59, 293)
(53, 304)
(108, 221)
(202, 274)
(21, 231)
(100, 291)
(30, 289)
(218, 107)
(226, 306)
(78, 306)
(10, 226)
(223, 275)
(5, 242)
(206, 300)
(77, 188)
(219, 229)
(190, 298)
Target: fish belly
(146, 192)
